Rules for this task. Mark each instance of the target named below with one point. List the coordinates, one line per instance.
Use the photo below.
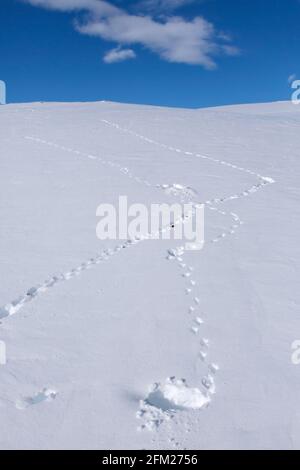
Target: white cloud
(118, 55)
(173, 38)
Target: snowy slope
(95, 330)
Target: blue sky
(181, 53)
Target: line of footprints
(176, 255)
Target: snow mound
(165, 399)
(176, 394)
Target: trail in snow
(33, 292)
(264, 179)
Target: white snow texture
(139, 343)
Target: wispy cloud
(118, 55)
(173, 38)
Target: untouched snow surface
(145, 345)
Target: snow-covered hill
(142, 345)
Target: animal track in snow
(188, 195)
(264, 180)
(13, 307)
(45, 395)
(124, 170)
(207, 381)
(176, 189)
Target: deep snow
(146, 345)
